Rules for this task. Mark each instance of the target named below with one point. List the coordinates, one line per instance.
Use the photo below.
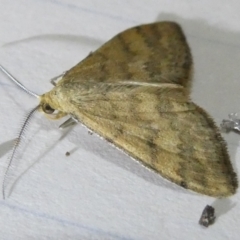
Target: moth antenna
(20, 85)
(16, 144)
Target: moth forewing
(150, 53)
(157, 125)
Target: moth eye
(47, 109)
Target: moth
(134, 91)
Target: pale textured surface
(98, 192)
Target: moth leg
(70, 122)
(56, 79)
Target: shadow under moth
(134, 91)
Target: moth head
(50, 106)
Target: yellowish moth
(134, 91)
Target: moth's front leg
(56, 79)
(70, 122)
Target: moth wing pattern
(156, 52)
(134, 91)
(163, 130)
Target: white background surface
(99, 192)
